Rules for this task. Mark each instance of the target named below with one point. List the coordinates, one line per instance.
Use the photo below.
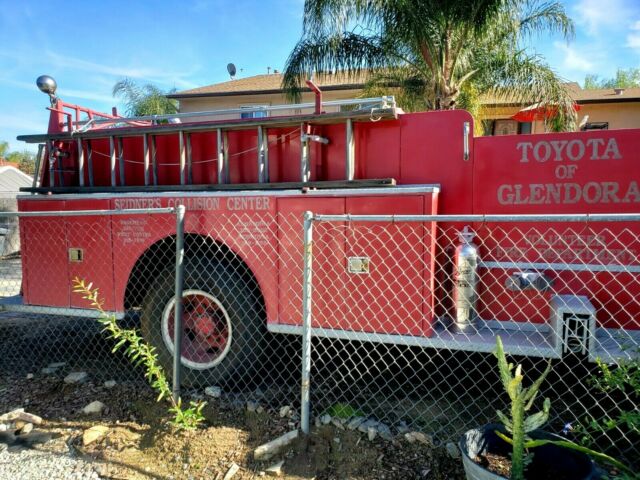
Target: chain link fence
(400, 334)
(403, 313)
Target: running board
(15, 304)
(518, 339)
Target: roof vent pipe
(618, 91)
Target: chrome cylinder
(465, 278)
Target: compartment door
(388, 298)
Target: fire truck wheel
(223, 324)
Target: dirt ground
(141, 444)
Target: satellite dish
(231, 68)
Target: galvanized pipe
(223, 157)
(305, 163)
(350, 154)
(382, 102)
(121, 161)
(154, 159)
(189, 160)
(145, 147)
(37, 166)
(90, 162)
(307, 290)
(587, 217)
(177, 324)
(182, 157)
(263, 155)
(80, 163)
(112, 160)
(80, 213)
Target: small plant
(141, 353)
(521, 401)
(518, 426)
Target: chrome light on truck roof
(47, 85)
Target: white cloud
(597, 15)
(633, 37)
(573, 60)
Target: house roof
(11, 179)
(580, 95)
(271, 83)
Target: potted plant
(517, 448)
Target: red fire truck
(364, 157)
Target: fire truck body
(243, 181)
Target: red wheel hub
(207, 329)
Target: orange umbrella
(538, 111)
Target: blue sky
(88, 46)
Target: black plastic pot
(562, 462)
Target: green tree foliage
(434, 54)
(26, 161)
(628, 78)
(145, 99)
(4, 148)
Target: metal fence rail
(399, 325)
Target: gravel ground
(34, 464)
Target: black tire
(243, 304)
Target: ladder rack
(147, 127)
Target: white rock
(94, 434)
(325, 419)
(260, 409)
(284, 411)
(337, 423)
(29, 376)
(57, 364)
(384, 431)
(95, 407)
(371, 433)
(252, 406)
(109, 384)
(27, 429)
(215, 392)
(452, 450)
(233, 469)
(318, 422)
(75, 377)
(364, 426)
(419, 437)
(268, 450)
(355, 423)
(275, 470)
(20, 414)
(48, 371)
(402, 428)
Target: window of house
(524, 128)
(254, 113)
(505, 127)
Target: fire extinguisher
(465, 278)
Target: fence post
(177, 326)
(306, 321)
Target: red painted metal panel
(328, 258)
(389, 299)
(44, 259)
(92, 235)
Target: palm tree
(145, 99)
(434, 54)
